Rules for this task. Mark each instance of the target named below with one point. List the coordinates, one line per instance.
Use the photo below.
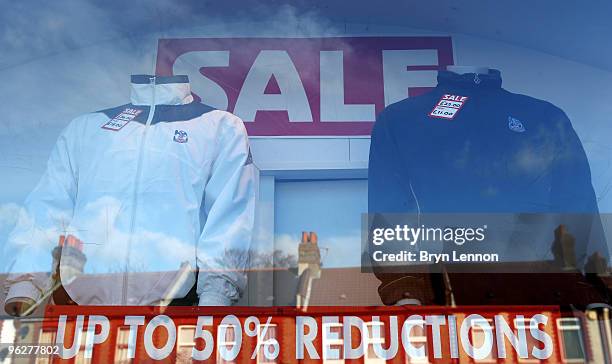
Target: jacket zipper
(135, 193)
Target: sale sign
(306, 86)
(427, 334)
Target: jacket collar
(476, 81)
(165, 90)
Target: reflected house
(557, 282)
(70, 252)
(580, 335)
(320, 286)
(309, 267)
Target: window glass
(265, 333)
(185, 343)
(571, 338)
(121, 351)
(330, 208)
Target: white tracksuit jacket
(146, 187)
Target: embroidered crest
(180, 136)
(515, 125)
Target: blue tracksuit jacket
(470, 146)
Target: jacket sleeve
(390, 192)
(388, 185)
(573, 195)
(229, 206)
(46, 213)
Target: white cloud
(287, 244)
(106, 244)
(9, 212)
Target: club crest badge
(180, 136)
(515, 125)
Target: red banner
(289, 335)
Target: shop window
(526, 324)
(418, 338)
(80, 357)
(270, 333)
(336, 343)
(121, 346)
(47, 337)
(571, 340)
(227, 341)
(371, 340)
(478, 339)
(185, 343)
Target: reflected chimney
(309, 254)
(69, 254)
(563, 248)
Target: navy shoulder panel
(163, 113)
(114, 111)
(170, 113)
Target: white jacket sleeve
(229, 205)
(47, 212)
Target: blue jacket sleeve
(389, 188)
(572, 193)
